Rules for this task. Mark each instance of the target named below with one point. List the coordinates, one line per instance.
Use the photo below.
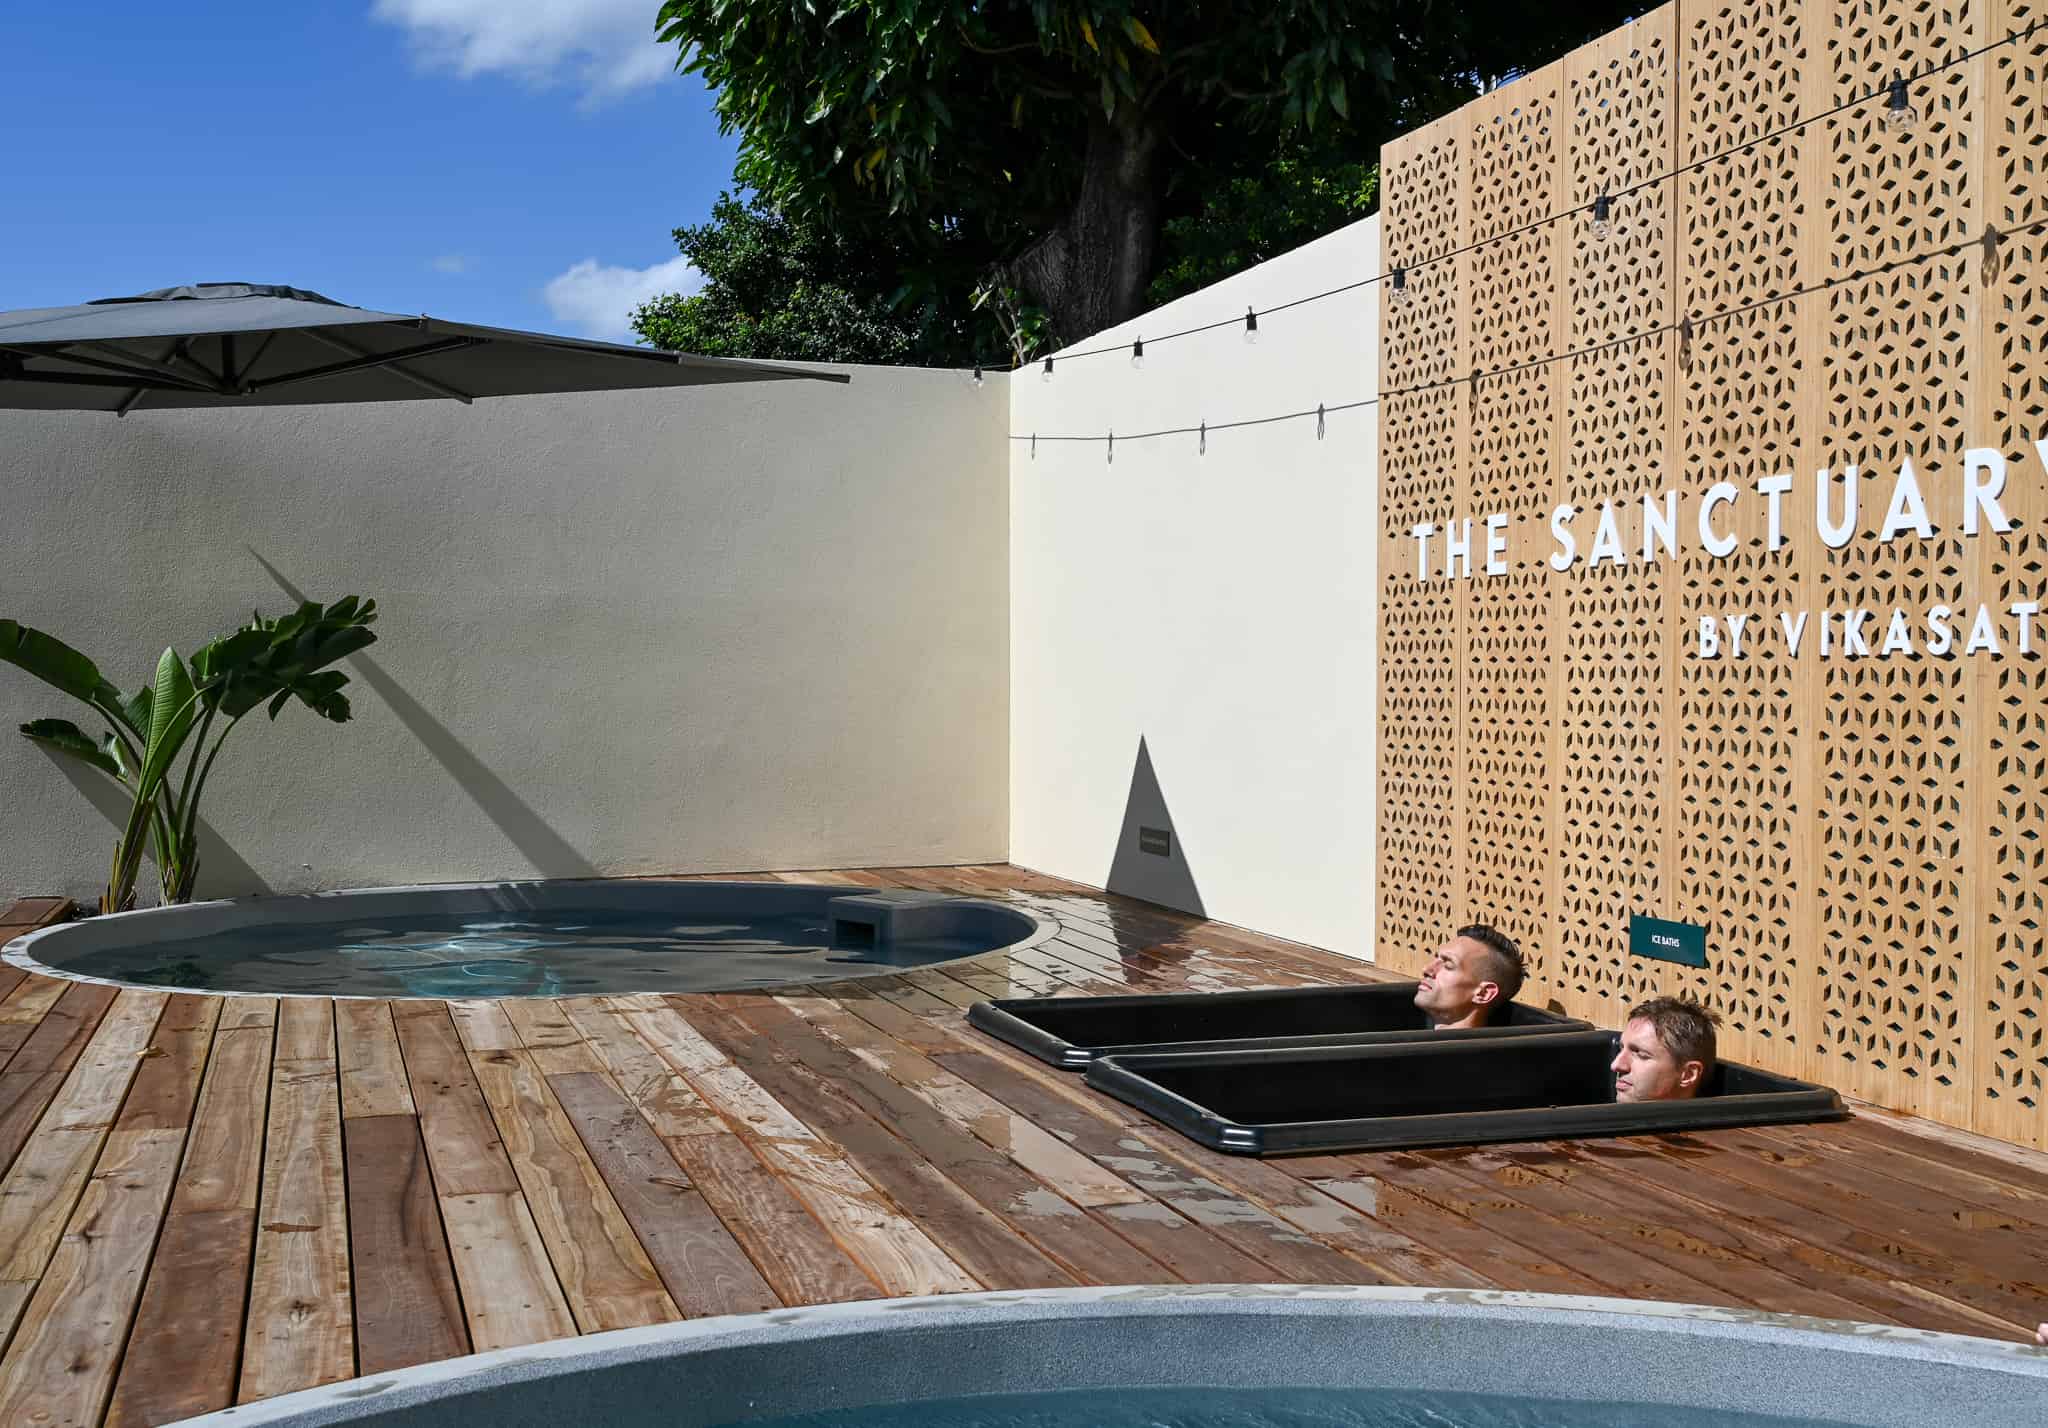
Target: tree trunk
(1091, 271)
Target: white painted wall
(722, 628)
(1215, 611)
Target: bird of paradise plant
(188, 703)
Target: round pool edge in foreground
(33, 951)
(878, 1353)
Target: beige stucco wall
(722, 628)
(1192, 635)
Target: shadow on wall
(222, 871)
(1149, 862)
(550, 854)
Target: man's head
(1667, 1051)
(1472, 978)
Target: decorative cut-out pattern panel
(1741, 726)
(1745, 67)
(1737, 813)
(1422, 461)
(1613, 650)
(1423, 204)
(1419, 436)
(1505, 735)
(1620, 285)
(1507, 677)
(1512, 139)
(2012, 983)
(1891, 194)
(1862, 832)
(1417, 769)
(1896, 931)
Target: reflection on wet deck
(364, 1185)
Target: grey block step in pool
(1071, 1032)
(1094, 1357)
(1422, 1093)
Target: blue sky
(515, 162)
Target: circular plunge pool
(1236, 1356)
(537, 939)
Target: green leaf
(55, 663)
(65, 737)
(137, 707)
(217, 663)
(171, 719)
(117, 750)
(1135, 28)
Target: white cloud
(605, 47)
(453, 264)
(600, 299)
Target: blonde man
(1667, 1051)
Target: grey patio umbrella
(254, 345)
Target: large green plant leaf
(65, 737)
(228, 656)
(56, 664)
(171, 718)
(138, 706)
(295, 648)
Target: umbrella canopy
(254, 345)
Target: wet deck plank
(365, 1185)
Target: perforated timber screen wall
(1864, 838)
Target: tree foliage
(1305, 192)
(1042, 144)
(777, 287)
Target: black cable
(1684, 325)
(2011, 39)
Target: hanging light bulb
(1899, 114)
(977, 376)
(1251, 326)
(1603, 217)
(1046, 374)
(1402, 293)
(1138, 354)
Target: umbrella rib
(249, 367)
(146, 374)
(394, 360)
(179, 351)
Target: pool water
(565, 952)
(1270, 1408)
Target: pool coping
(19, 952)
(426, 1384)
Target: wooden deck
(211, 1200)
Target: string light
(1899, 114)
(1396, 279)
(1685, 327)
(1603, 217)
(1046, 375)
(1251, 326)
(1138, 354)
(977, 376)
